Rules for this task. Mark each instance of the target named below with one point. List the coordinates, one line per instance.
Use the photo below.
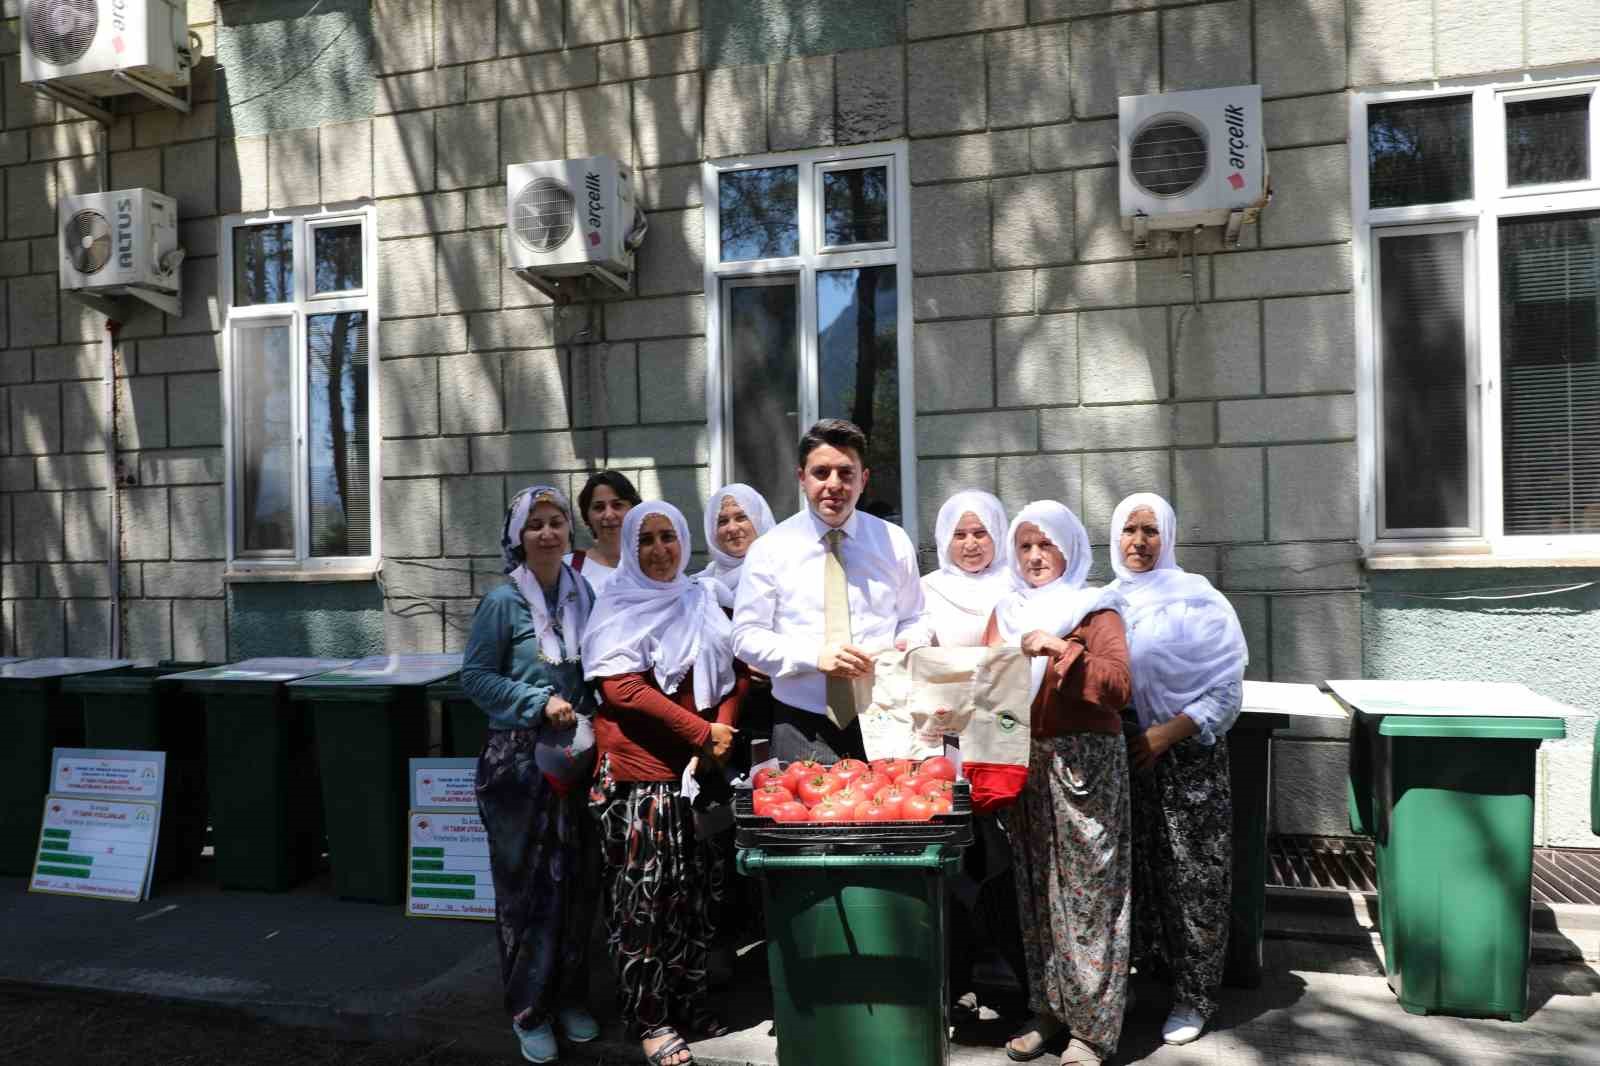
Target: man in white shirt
(789, 620)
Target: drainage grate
(1560, 875)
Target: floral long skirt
(662, 888)
(545, 859)
(1072, 834)
(1183, 869)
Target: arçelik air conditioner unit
(122, 243)
(1191, 159)
(572, 218)
(81, 45)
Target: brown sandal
(1046, 1029)
(1079, 1054)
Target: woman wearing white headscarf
(1071, 830)
(736, 515)
(662, 649)
(974, 568)
(1188, 654)
(521, 667)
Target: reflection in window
(339, 475)
(858, 371)
(264, 414)
(263, 264)
(1420, 151)
(1547, 140)
(855, 206)
(762, 359)
(338, 258)
(759, 212)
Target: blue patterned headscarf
(517, 517)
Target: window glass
(761, 357)
(1423, 339)
(855, 206)
(263, 264)
(338, 253)
(1547, 140)
(759, 212)
(859, 371)
(339, 481)
(1419, 151)
(264, 415)
(1550, 373)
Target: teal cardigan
(503, 672)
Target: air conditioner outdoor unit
(1191, 159)
(99, 48)
(122, 243)
(573, 218)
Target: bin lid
(1458, 699)
(1472, 728)
(258, 671)
(1292, 700)
(39, 669)
(377, 673)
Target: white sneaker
(1184, 1025)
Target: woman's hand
(1038, 642)
(559, 713)
(721, 742)
(1147, 747)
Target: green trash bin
(1250, 776)
(856, 954)
(36, 718)
(266, 806)
(1451, 801)
(134, 709)
(370, 718)
(464, 727)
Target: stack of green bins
(855, 951)
(36, 717)
(371, 717)
(1442, 777)
(266, 810)
(134, 709)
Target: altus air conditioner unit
(99, 48)
(572, 218)
(1191, 159)
(122, 243)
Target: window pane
(1420, 152)
(855, 206)
(263, 264)
(338, 480)
(759, 211)
(858, 372)
(1550, 373)
(1423, 342)
(264, 412)
(762, 361)
(338, 258)
(1547, 140)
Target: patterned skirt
(1183, 869)
(1072, 836)
(545, 859)
(662, 888)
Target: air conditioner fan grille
(542, 214)
(87, 236)
(61, 31)
(1168, 157)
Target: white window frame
(1479, 217)
(296, 312)
(804, 266)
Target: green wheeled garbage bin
(370, 718)
(1250, 774)
(134, 709)
(856, 953)
(266, 806)
(1448, 799)
(36, 717)
(464, 727)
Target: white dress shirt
(778, 615)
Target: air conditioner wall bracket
(83, 105)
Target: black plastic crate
(852, 838)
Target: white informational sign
(1485, 699)
(437, 786)
(1298, 700)
(100, 848)
(113, 774)
(447, 847)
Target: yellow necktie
(836, 628)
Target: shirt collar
(821, 528)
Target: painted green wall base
(334, 620)
(740, 32)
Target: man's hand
(721, 742)
(844, 660)
(1038, 642)
(559, 713)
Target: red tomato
(870, 785)
(892, 794)
(848, 796)
(768, 775)
(813, 790)
(876, 811)
(941, 803)
(798, 770)
(910, 781)
(768, 797)
(793, 811)
(936, 786)
(832, 812)
(848, 770)
(916, 809)
(891, 768)
(939, 767)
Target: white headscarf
(725, 569)
(574, 598)
(1058, 607)
(1183, 635)
(666, 627)
(951, 588)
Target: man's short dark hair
(838, 433)
(616, 481)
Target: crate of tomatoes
(852, 807)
